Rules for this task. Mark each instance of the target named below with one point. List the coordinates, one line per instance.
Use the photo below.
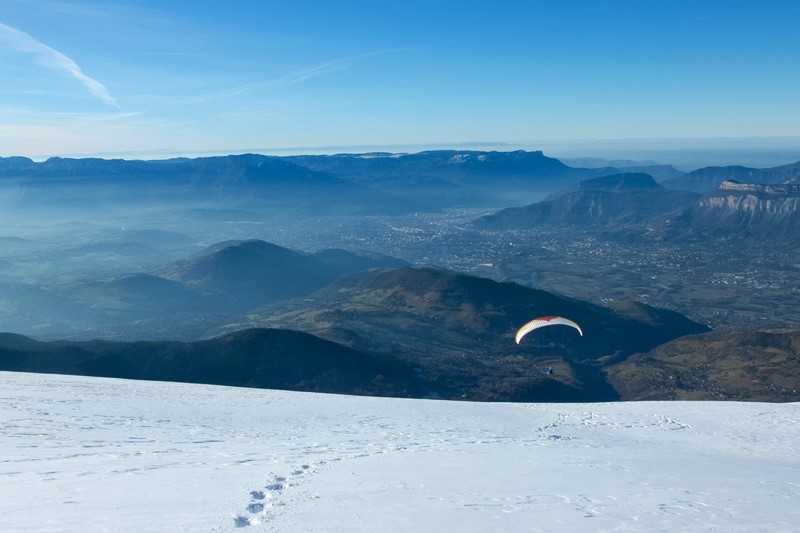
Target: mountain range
(479, 172)
(705, 180)
(218, 171)
(369, 301)
(618, 199)
(237, 179)
(450, 166)
(376, 182)
(365, 323)
(660, 172)
(451, 333)
(625, 204)
(469, 177)
(421, 332)
(768, 213)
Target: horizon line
(333, 149)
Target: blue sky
(177, 76)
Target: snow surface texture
(87, 454)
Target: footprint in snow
(241, 521)
(274, 487)
(302, 470)
(255, 507)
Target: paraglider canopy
(544, 321)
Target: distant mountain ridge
(525, 170)
(628, 181)
(659, 171)
(782, 189)
(464, 165)
(224, 172)
(619, 199)
(632, 203)
(768, 211)
(373, 182)
(431, 168)
(705, 180)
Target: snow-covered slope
(88, 454)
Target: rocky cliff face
(755, 203)
(783, 189)
(770, 211)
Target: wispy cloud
(315, 71)
(53, 59)
(93, 117)
(291, 78)
(294, 77)
(299, 76)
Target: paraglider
(544, 321)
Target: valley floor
(88, 455)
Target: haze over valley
(418, 266)
(195, 249)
